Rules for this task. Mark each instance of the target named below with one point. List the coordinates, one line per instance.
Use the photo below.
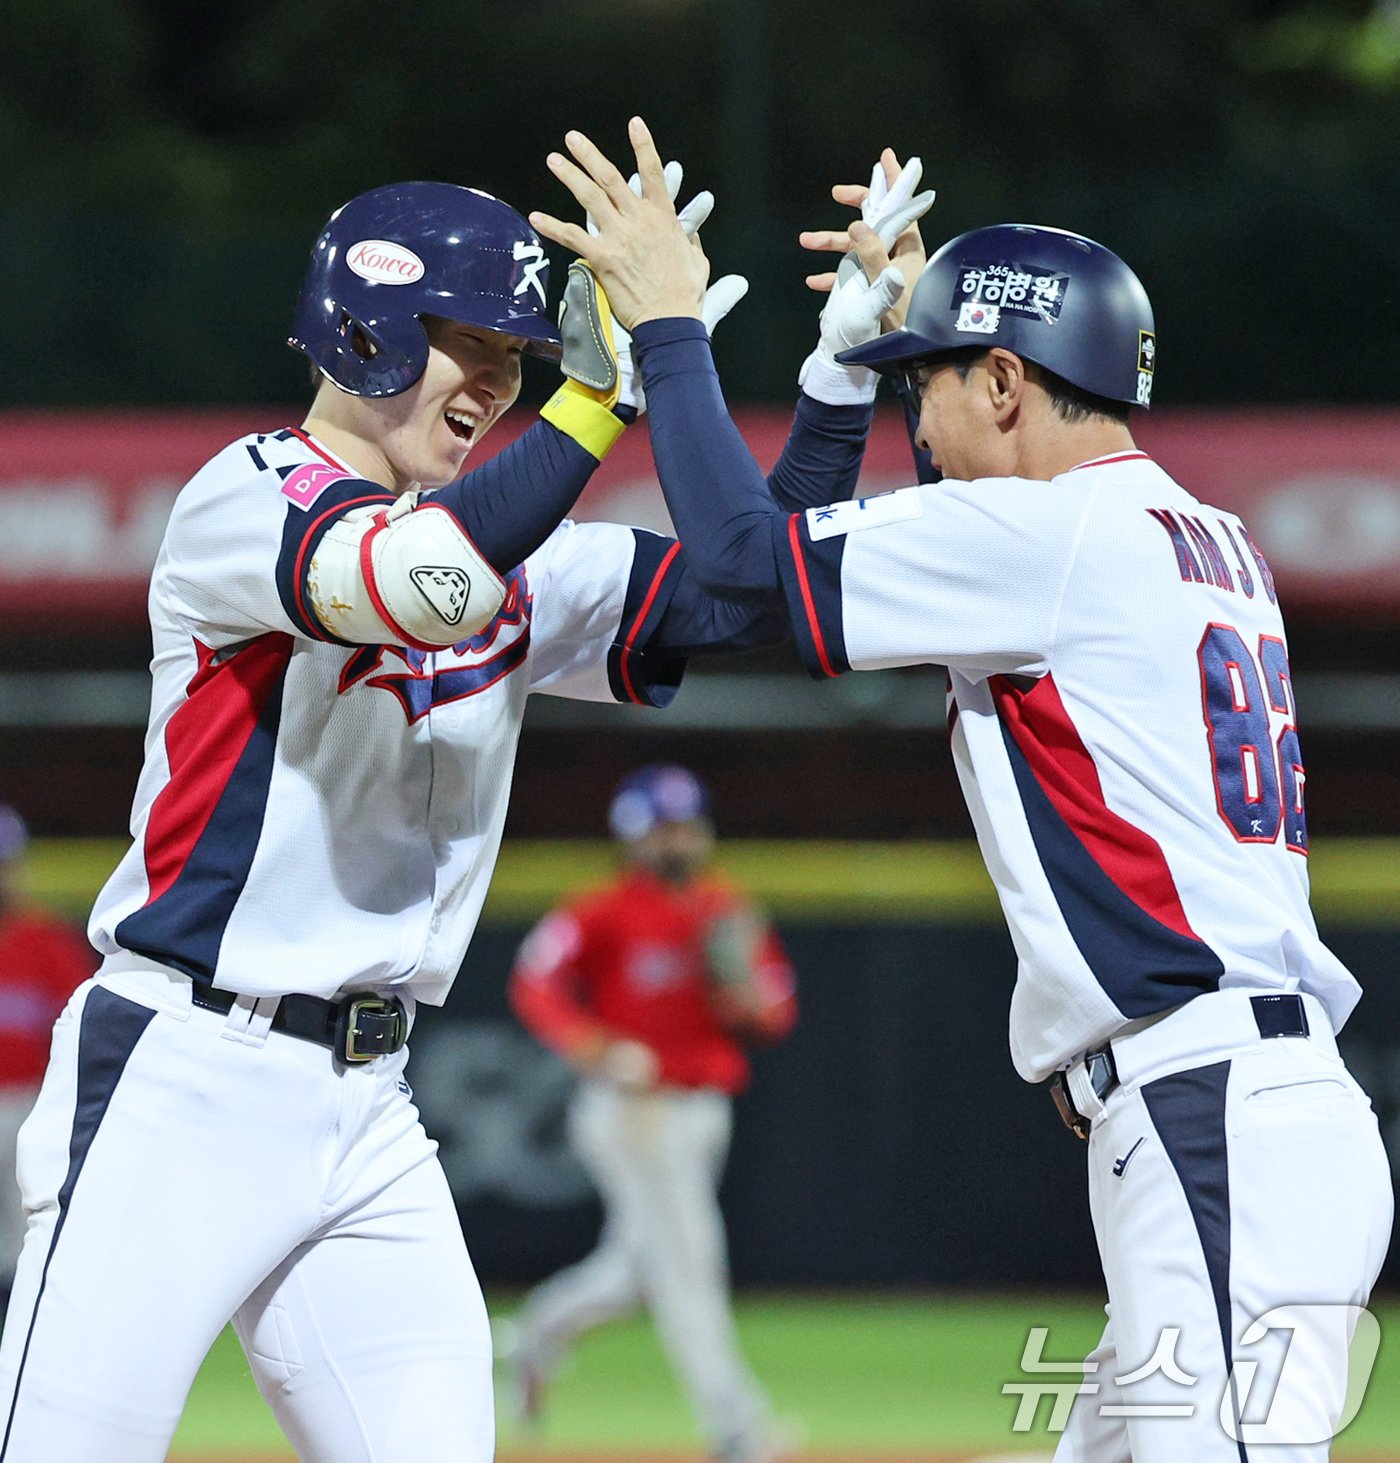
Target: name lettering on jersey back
(858, 513)
(1201, 560)
(466, 669)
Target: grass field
(1355, 881)
(869, 1380)
(913, 1379)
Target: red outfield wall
(84, 495)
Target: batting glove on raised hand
(890, 208)
(853, 309)
(851, 316)
(720, 298)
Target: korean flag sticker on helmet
(381, 261)
(977, 318)
(854, 515)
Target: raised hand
(891, 209)
(720, 297)
(870, 288)
(649, 266)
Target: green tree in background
(167, 164)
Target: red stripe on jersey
(809, 604)
(1119, 457)
(321, 452)
(204, 740)
(1063, 767)
(653, 589)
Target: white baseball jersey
(1122, 723)
(318, 816)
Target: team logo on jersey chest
(655, 968)
(470, 667)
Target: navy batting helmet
(397, 253)
(655, 795)
(14, 836)
(1052, 297)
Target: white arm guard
(406, 575)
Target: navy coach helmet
(1052, 297)
(397, 253)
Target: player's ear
(1005, 381)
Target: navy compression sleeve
(510, 505)
(717, 494)
(822, 455)
(696, 623)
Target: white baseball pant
(183, 1167)
(1229, 1175)
(656, 1158)
(16, 1103)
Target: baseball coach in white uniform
(1123, 724)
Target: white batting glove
(889, 208)
(853, 309)
(851, 316)
(720, 298)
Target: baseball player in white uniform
(1124, 728)
(340, 673)
(341, 663)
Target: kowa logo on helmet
(383, 262)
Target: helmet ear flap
(353, 334)
(379, 359)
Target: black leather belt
(1273, 1015)
(355, 1028)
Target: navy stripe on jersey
(204, 826)
(302, 530)
(637, 674)
(1188, 1111)
(1143, 965)
(419, 694)
(108, 1031)
(811, 575)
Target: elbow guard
(406, 575)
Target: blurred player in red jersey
(42, 962)
(651, 987)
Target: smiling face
(472, 378)
(421, 437)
